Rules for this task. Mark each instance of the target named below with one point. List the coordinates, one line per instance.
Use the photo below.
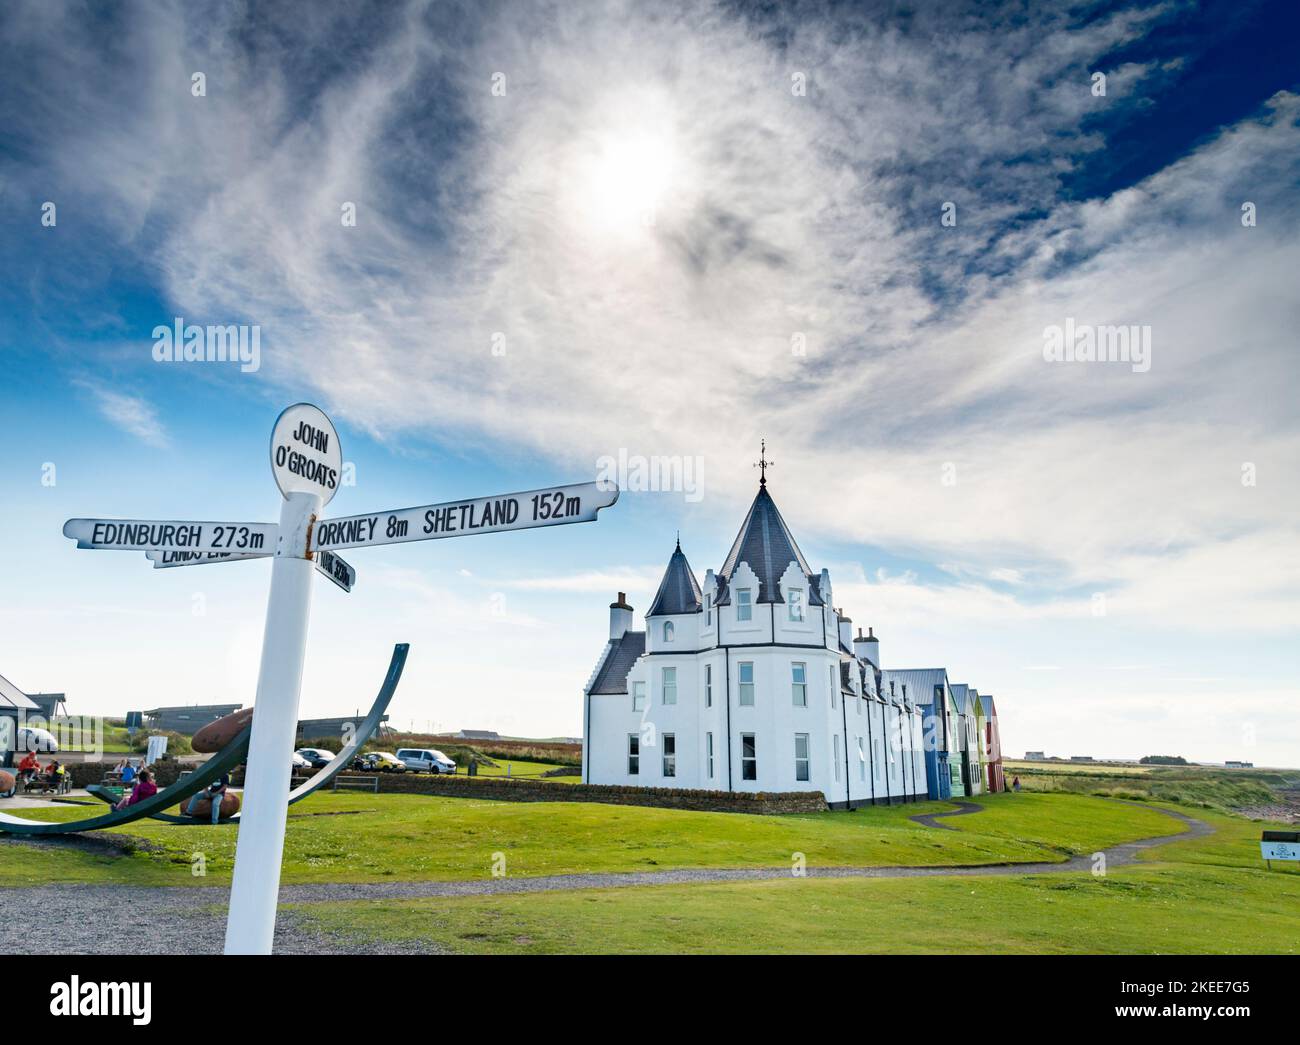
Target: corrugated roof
(13, 697)
(987, 700)
(679, 592)
(766, 544)
(612, 677)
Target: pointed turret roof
(679, 591)
(768, 546)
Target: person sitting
(128, 772)
(53, 775)
(214, 792)
(29, 767)
(144, 788)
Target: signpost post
(306, 461)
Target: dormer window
(795, 603)
(668, 631)
(744, 604)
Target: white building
(750, 682)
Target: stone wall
(518, 790)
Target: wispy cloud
(133, 414)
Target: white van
(425, 760)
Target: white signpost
(306, 461)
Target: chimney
(846, 630)
(867, 647)
(620, 618)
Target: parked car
(32, 739)
(316, 757)
(383, 762)
(425, 760)
(298, 762)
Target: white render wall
(893, 764)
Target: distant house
(188, 719)
(477, 734)
(1035, 756)
(1081, 758)
(1239, 765)
(342, 727)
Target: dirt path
(932, 819)
(93, 919)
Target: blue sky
(639, 205)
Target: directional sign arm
(327, 563)
(551, 506)
(145, 534)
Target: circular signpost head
(305, 452)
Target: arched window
(668, 631)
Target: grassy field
(1207, 895)
(353, 837)
(1201, 787)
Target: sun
(628, 180)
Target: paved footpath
(118, 919)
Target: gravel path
(82, 919)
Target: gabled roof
(679, 592)
(768, 546)
(961, 694)
(623, 653)
(13, 698)
(987, 700)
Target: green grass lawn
(414, 837)
(1208, 895)
(531, 770)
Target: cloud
(631, 246)
(133, 414)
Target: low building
(1035, 756)
(15, 706)
(343, 728)
(1081, 758)
(187, 719)
(477, 734)
(1239, 765)
(51, 704)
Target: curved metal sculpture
(222, 762)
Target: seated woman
(144, 788)
(215, 792)
(29, 767)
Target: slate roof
(679, 592)
(768, 546)
(612, 677)
(14, 699)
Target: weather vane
(763, 464)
